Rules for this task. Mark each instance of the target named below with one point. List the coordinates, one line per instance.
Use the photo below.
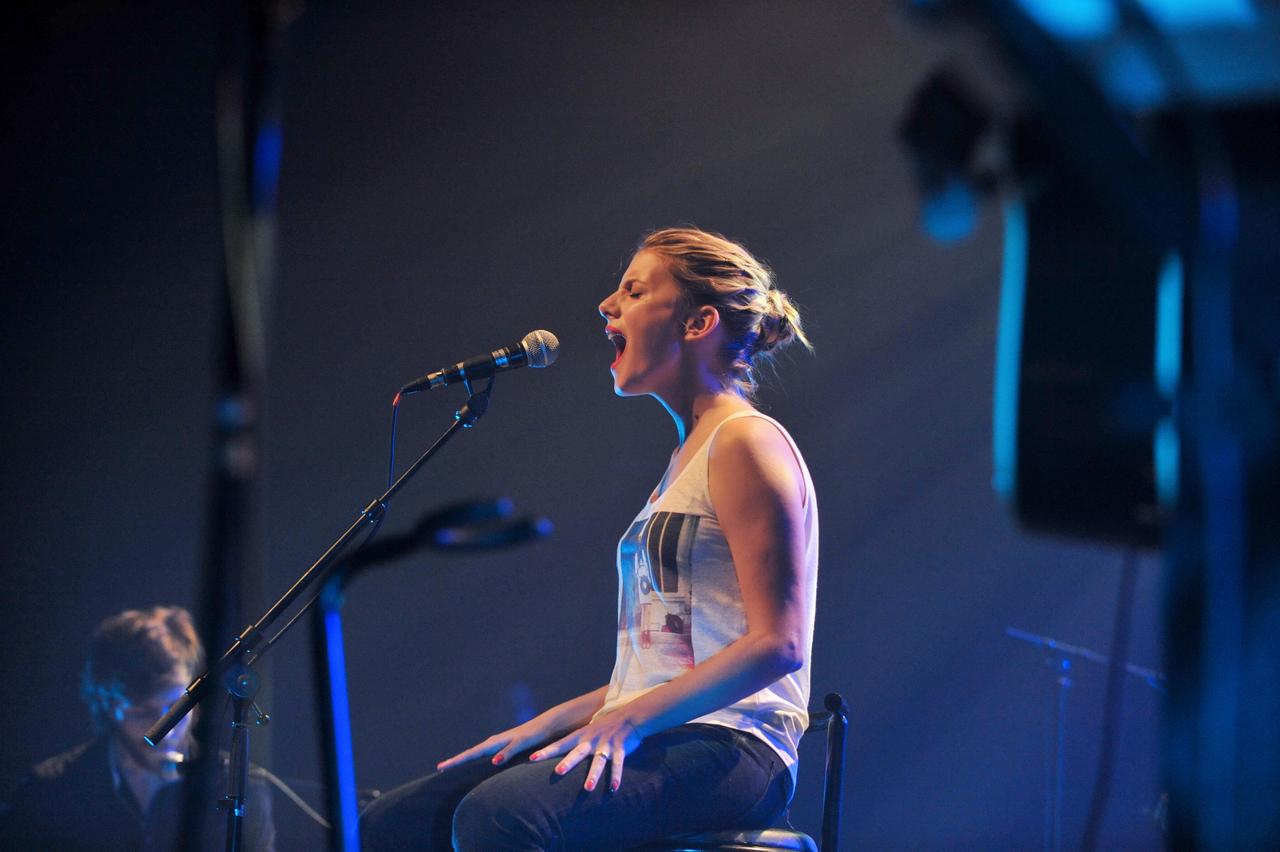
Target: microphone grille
(542, 348)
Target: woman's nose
(606, 306)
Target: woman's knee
(489, 817)
(378, 824)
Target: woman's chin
(623, 387)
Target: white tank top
(679, 603)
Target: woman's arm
(757, 489)
(567, 715)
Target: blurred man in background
(115, 792)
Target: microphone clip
(476, 405)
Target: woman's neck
(689, 411)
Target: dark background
(454, 177)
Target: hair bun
(776, 324)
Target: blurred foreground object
(1137, 391)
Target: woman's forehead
(647, 265)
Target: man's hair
(135, 654)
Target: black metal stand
(233, 668)
(243, 686)
(1059, 662)
(1056, 776)
(833, 787)
(329, 656)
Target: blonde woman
(697, 728)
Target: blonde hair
(758, 318)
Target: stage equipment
(1077, 407)
(249, 111)
(1058, 660)
(1077, 403)
(474, 523)
(537, 349)
(1137, 392)
(943, 129)
(248, 119)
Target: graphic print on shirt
(657, 589)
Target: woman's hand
(607, 740)
(503, 744)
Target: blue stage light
(1169, 326)
(951, 213)
(1184, 14)
(343, 752)
(1009, 350)
(1166, 447)
(1073, 18)
(268, 151)
(1166, 450)
(1089, 19)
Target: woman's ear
(702, 321)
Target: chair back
(835, 721)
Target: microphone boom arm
(251, 637)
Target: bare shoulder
(751, 453)
(751, 436)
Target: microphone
(538, 349)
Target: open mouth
(619, 343)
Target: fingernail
(497, 759)
(561, 769)
(613, 788)
(591, 785)
(536, 756)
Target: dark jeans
(693, 778)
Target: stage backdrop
(454, 178)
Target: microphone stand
(1061, 654)
(473, 526)
(233, 670)
(243, 688)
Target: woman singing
(698, 726)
